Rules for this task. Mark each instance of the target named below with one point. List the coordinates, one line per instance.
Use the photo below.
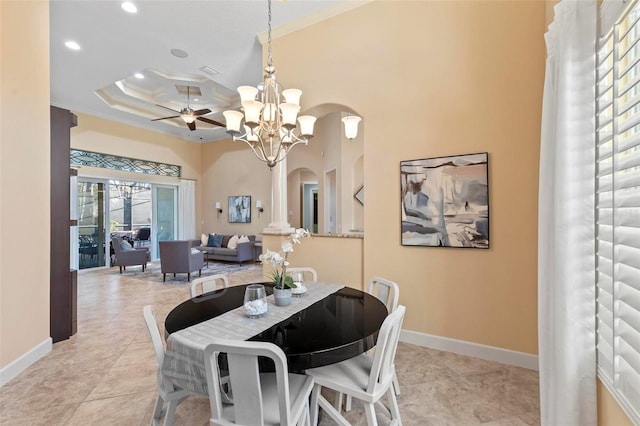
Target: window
(618, 209)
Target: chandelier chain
(269, 57)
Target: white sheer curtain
(187, 210)
(566, 271)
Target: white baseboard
(25, 361)
(476, 350)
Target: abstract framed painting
(240, 209)
(445, 201)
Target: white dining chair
(206, 284)
(276, 398)
(307, 272)
(365, 377)
(168, 393)
(388, 293)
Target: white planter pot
(282, 296)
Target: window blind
(618, 210)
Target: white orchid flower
(287, 247)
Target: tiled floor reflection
(105, 374)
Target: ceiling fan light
(188, 118)
(233, 119)
(351, 126)
(292, 96)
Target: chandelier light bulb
(233, 119)
(247, 93)
(289, 114)
(252, 111)
(306, 125)
(292, 96)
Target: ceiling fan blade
(202, 111)
(164, 118)
(207, 120)
(192, 126)
(162, 106)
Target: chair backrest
(115, 243)
(207, 284)
(156, 340)
(242, 361)
(306, 271)
(143, 234)
(382, 368)
(387, 291)
(174, 252)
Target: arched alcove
(338, 166)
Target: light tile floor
(105, 374)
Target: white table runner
(184, 357)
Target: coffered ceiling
(208, 46)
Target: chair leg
(157, 412)
(313, 408)
(199, 272)
(164, 277)
(171, 413)
(393, 406)
(370, 411)
(347, 403)
(121, 269)
(188, 276)
(396, 383)
(337, 403)
(332, 412)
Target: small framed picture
(240, 209)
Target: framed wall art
(445, 201)
(240, 209)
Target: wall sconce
(259, 206)
(218, 208)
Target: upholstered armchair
(177, 257)
(129, 257)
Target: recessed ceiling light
(179, 53)
(139, 75)
(127, 6)
(72, 45)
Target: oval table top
(338, 327)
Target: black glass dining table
(340, 326)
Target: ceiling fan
(189, 116)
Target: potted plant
(283, 283)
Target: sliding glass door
(91, 224)
(165, 213)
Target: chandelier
(270, 115)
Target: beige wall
(434, 79)
(24, 177)
(100, 135)
(230, 168)
(343, 267)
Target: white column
(279, 224)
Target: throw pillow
(204, 239)
(243, 239)
(125, 246)
(233, 242)
(217, 240)
(211, 240)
